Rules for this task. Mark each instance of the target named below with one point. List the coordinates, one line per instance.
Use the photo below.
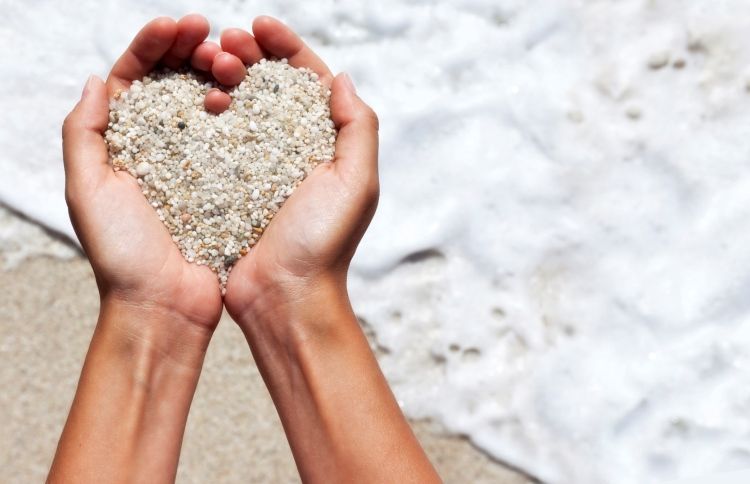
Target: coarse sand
(216, 181)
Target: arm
(129, 413)
(289, 298)
(341, 419)
(157, 312)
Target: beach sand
(48, 309)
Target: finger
(228, 69)
(217, 101)
(147, 48)
(240, 43)
(192, 29)
(84, 151)
(204, 54)
(278, 40)
(357, 142)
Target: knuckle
(74, 192)
(372, 189)
(69, 196)
(371, 117)
(68, 123)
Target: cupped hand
(135, 261)
(312, 239)
(164, 42)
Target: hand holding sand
(313, 237)
(289, 297)
(217, 181)
(173, 45)
(288, 292)
(135, 260)
(157, 312)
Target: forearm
(128, 417)
(340, 417)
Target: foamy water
(558, 268)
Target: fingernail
(348, 82)
(87, 87)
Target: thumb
(357, 142)
(84, 150)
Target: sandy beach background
(48, 310)
(558, 269)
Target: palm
(130, 249)
(311, 231)
(318, 228)
(134, 249)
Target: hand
(135, 261)
(164, 42)
(288, 295)
(312, 239)
(158, 312)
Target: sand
(48, 309)
(601, 148)
(216, 181)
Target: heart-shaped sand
(216, 181)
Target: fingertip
(347, 107)
(192, 29)
(195, 21)
(147, 48)
(275, 37)
(278, 40)
(228, 69)
(94, 91)
(242, 44)
(93, 82)
(162, 29)
(342, 99)
(347, 82)
(262, 22)
(94, 104)
(163, 20)
(203, 55)
(84, 149)
(217, 101)
(357, 141)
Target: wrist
(160, 333)
(289, 308)
(177, 295)
(323, 377)
(133, 397)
